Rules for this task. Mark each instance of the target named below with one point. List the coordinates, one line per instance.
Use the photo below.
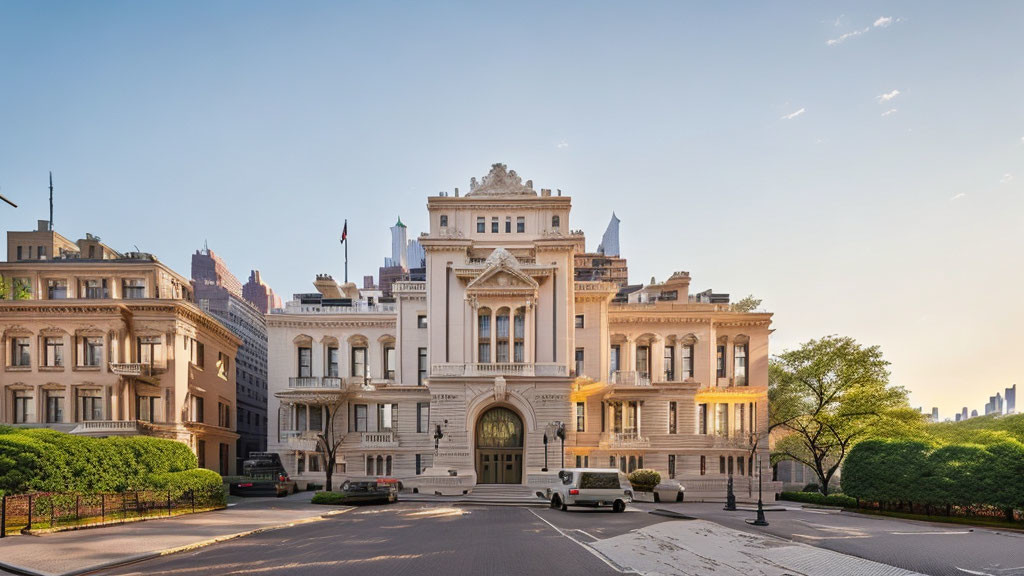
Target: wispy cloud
(792, 115)
(1006, 179)
(889, 112)
(887, 96)
(959, 196)
(847, 36)
(562, 144)
(883, 22)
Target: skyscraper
(1011, 399)
(399, 241)
(610, 241)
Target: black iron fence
(42, 510)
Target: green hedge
(199, 480)
(644, 479)
(39, 459)
(961, 475)
(329, 498)
(818, 498)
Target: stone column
(657, 359)
(639, 408)
(69, 404)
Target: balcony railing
(595, 286)
(739, 440)
(499, 369)
(300, 439)
(630, 378)
(137, 369)
(409, 286)
(111, 427)
(295, 307)
(628, 440)
(384, 439)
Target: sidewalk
(79, 551)
(699, 547)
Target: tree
(16, 289)
(330, 438)
(747, 304)
(830, 394)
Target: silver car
(590, 487)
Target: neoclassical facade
(100, 343)
(466, 378)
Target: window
(579, 320)
(643, 361)
(332, 362)
(133, 288)
(703, 465)
(444, 220)
(42, 252)
(223, 365)
(740, 364)
(687, 367)
(508, 224)
(494, 224)
(201, 453)
(739, 465)
(305, 362)
(223, 415)
(197, 353)
(741, 420)
(670, 363)
(149, 349)
(92, 351)
(481, 225)
(421, 321)
(54, 408)
(581, 416)
(671, 465)
(519, 328)
(730, 465)
(53, 351)
(56, 289)
(20, 352)
(721, 361)
(314, 462)
(421, 375)
(579, 361)
(90, 405)
(613, 358)
(423, 417)
(501, 321)
(94, 289)
(555, 221)
(423, 462)
(225, 463)
(360, 419)
(198, 409)
(359, 362)
(484, 336)
(146, 408)
(722, 419)
(721, 464)
(389, 362)
(387, 416)
(19, 252)
(702, 419)
(672, 417)
(24, 407)
(520, 224)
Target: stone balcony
(629, 378)
(500, 369)
(629, 440)
(314, 383)
(112, 428)
(385, 440)
(300, 439)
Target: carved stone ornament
(500, 182)
(500, 391)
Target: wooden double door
(499, 447)
(499, 466)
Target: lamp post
(730, 497)
(545, 468)
(560, 432)
(760, 521)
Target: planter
(643, 496)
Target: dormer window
(554, 222)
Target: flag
(344, 232)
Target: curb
(168, 551)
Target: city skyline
(811, 179)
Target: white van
(590, 487)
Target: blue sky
(751, 144)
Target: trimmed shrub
(329, 498)
(200, 480)
(644, 479)
(818, 498)
(812, 487)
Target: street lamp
(560, 432)
(545, 468)
(760, 521)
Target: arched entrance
(499, 447)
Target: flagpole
(346, 252)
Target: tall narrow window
(223, 365)
(671, 465)
(519, 330)
(386, 416)
(444, 220)
(90, 405)
(423, 416)
(508, 224)
(643, 361)
(581, 416)
(24, 407)
(481, 225)
(579, 321)
(520, 224)
(359, 362)
(421, 356)
(721, 361)
(702, 419)
(722, 419)
(92, 351)
(494, 224)
(721, 464)
(389, 362)
(149, 349)
(739, 465)
(53, 351)
(687, 367)
(333, 369)
(740, 364)
(501, 320)
(305, 362)
(613, 359)
(20, 352)
(672, 417)
(555, 222)
(579, 362)
(360, 419)
(703, 465)
(484, 336)
(670, 363)
(54, 408)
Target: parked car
(591, 487)
(373, 491)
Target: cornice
(315, 322)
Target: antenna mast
(51, 200)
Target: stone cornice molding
(314, 322)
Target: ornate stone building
(467, 377)
(102, 343)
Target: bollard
(29, 527)
(103, 507)
(168, 502)
(3, 516)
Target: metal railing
(383, 439)
(499, 369)
(630, 378)
(409, 286)
(629, 439)
(307, 382)
(49, 510)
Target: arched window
(555, 222)
(632, 463)
(501, 341)
(484, 335)
(380, 465)
(519, 330)
(388, 470)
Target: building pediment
(502, 272)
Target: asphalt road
(926, 547)
(413, 539)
